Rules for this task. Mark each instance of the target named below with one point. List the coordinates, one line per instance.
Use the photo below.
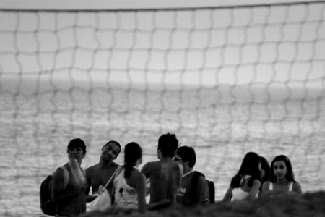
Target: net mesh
(224, 80)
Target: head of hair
(77, 143)
(132, 153)
(289, 176)
(114, 142)
(168, 144)
(249, 166)
(187, 154)
(266, 167)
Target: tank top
(238, 193)
(271, 186)
(125, 195)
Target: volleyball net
(226, 80)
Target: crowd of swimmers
(169, 178)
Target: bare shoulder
(150, 165)
(92, 169)
(139, 175)
(59, 173)
(296, 187)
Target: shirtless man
(99, 174)
(165, 174)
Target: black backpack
(194, 182)
(46, 204)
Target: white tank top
(271, 186)
(238, 193)
(125, 195)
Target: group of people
(170, 178)
(256, 178)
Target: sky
(203, 47)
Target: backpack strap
(194, 181)
(66, 176)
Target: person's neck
(105, 164)
(166, 158)
(187, 170)
(282, 181)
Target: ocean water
(222, 124)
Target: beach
(35, 131)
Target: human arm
(228, 195)
(58, 188)
(296, 188)
(89, 198)
(141, 191)
(146, 170)
(265, 189)
(254, 189)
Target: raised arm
(265, 189)
(58, 187)
(89, 198)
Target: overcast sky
(199, 47)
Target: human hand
(100, 190)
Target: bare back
(165, 179)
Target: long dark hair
(249, 166)
(266, 167)
(132, 153)
(289, 176)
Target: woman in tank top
(129, 183)
(281, 178)
(246, 183)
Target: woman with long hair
(247, 181)
(130, 184)
(281, 178)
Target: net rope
(224, 80)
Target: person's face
(280, 169)
(76, 153)
(110, 152)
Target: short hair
(187, 153)
(77, 143)
(289, 176)
(115, 142)
(168, 144)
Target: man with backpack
(62, 193)
(194, 187)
